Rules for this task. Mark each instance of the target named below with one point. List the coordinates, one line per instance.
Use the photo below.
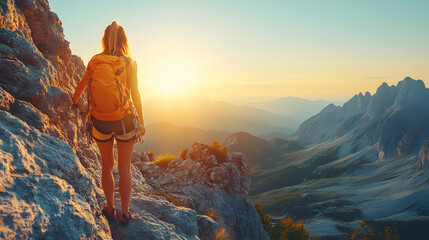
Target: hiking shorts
(122, 130)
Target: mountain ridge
(163, 137)
(365, 160)
(204, 113)
(388, 108)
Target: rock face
(394, 119)
(45, 192)
(37, 66)
(50, 176)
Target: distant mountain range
(366, 159)
(261, 154)
(395, 119)
(275, 118)
(299, 109)
(165, 137)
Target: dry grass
(212, 213)
(163, 160)
(161, 193)
(220, 152)
(222, 233)
(177, 201)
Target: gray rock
(45, 192)
(219, 177)
(210, 161)
(206, 227)
(6, 100)
(156, 218)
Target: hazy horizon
(225, 50)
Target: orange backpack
(107, 92)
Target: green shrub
(286, 229)
(220, 152)
(293, 230)
(364, 231)
(267, 220)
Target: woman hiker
(115, 113)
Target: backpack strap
(127, 64)
(90, 97)
(121, 91)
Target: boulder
(206, 227)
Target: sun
(173, 75)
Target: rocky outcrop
(207, 183)
(50, 176)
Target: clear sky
(313, 49)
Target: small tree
(286, 229)
(365, 232)
(291, 230)
(267, 220)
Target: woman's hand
(80, 105)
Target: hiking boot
(110, 215)
(125, 218)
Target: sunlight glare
(173, 75)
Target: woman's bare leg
(125, 153)
(107, 162)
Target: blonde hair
(115, 41)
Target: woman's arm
(81, 86)
(134, 87)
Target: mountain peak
(411, 83)
(331, 106)
(382, 87)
